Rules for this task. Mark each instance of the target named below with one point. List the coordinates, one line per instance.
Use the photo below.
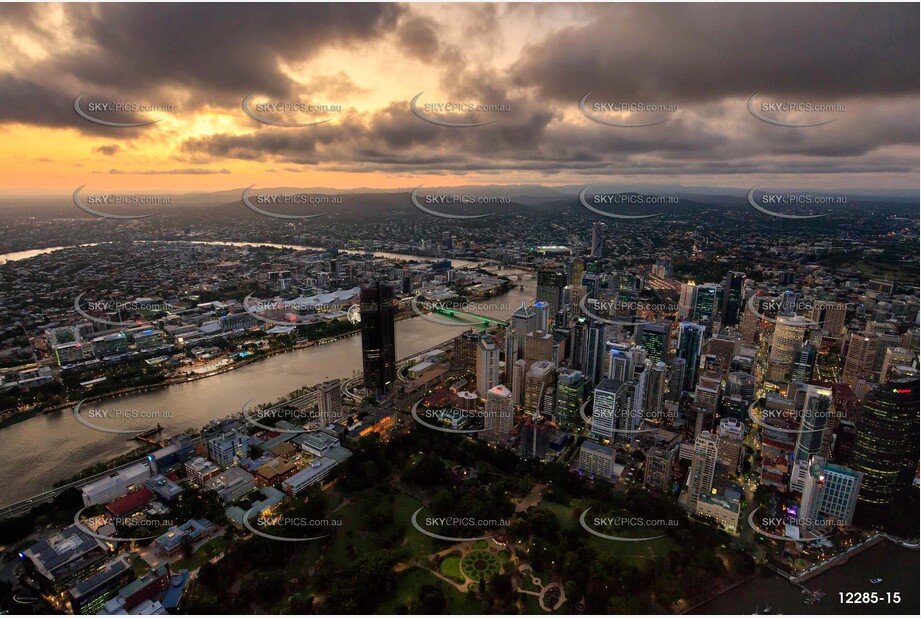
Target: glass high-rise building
(378, 344)
(690, 344)
(732, 297)
(655, 339)
(886, 445)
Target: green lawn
(481, 544)
(202, 555)
(407, 591)
(450, 567)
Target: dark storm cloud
(216, 53)
(229, 49)
(699, 52)
(108, 149)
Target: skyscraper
(542, 314)
(830, 493)
(570, 394)
(524, 321)
(539, 378)
(703, 466)
(732, 297)
(594, 351)
(611, 410)
(858, 365)
(786, 342)
(707, 302)
(656, 338)
(487, 366)
(550, 284)
(329, 401)
(378, 344)
(598, 231)
(886, 445)
(690, 344)
(815, 412)
(500, 410)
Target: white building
(115, 485)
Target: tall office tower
(500, 414)
(575, 271)
(830, 493)
(656, 386)
(815, 411)
(707, 302)
(572, 299)
(886, 340)
(659, 462)
(595, 349)
(539, 378)
(910, 339)
(524, 321)
(690, 344)
(750, 323)
(592, 284)
(570, 394)
(741, 384)
(550, 284)
(329, 401)
(542, 315)
(830, 316)
(487, 366)
(687, 300)
(598, 232)
(789, 333)
(679, 368)
(886, 445)
(610, 409)
(538, 346)
(560, 345)
(656, 339)
(465, 350)
(894, 358)
(732, 297)
(519, 372)
(535, 439)
(378, 345)
(511, 352)
(703, 466)
(578, 342)
(640, 384)
(620, 362)
(804, 364)
(858, 365)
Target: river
(49, 447)
(897, 566)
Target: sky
(701, 63)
